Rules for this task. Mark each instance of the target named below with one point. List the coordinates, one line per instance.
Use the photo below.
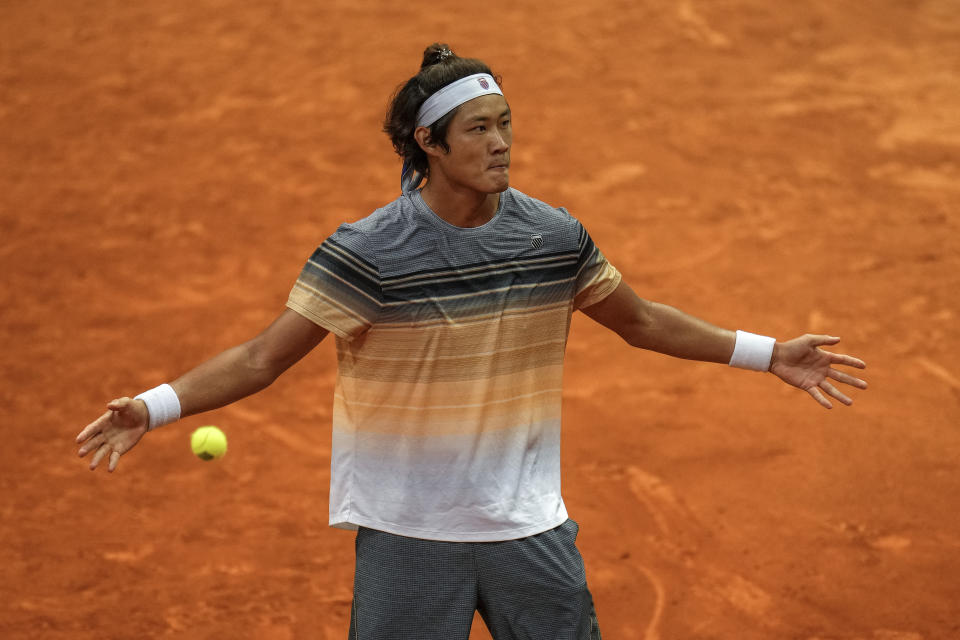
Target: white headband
(455, 94)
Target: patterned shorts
(534, 588)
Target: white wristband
(163, 405)
(752, 351)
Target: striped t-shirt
(450, 344)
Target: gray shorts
(533, 588)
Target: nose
(499, 142)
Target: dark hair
(440, 67)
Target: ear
(422, 136)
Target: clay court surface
(166, 168)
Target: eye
(479, 128)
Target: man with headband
(451, 307)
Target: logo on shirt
(536, 241)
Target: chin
(500, 185)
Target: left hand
(801, 363)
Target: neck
(460, 207)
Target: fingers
(101, 453)
(845, 378)
(825, 386)
(119, 404)
(850, 361)
(819, 397)
(836, 393)
(93, 443)
(98, 456)
(97, 425)
(817, 393)
(94, 427)
(835, 358)
(103, 448)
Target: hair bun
(435, 54)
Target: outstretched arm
(661, 328)
(234, 374)
(250, 367)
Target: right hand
(115, 432)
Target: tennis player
(450, 307)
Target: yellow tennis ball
(208, 443)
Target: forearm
(225, 378)
(237, 372)
(668, 330)
(665, 329)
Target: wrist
(163, 406)
(752, 351)
(775, 356)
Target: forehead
(491, 106)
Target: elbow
(637, 336)
(641, 325)
(261, 367)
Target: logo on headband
(483, 83)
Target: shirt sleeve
(596, 278)
(339, 286)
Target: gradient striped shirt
(450, 345)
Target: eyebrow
(479, 118)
